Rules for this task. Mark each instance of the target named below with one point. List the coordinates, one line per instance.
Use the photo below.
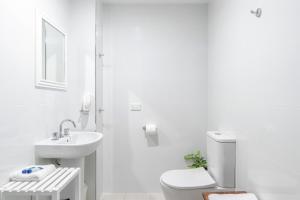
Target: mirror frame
(40, 81)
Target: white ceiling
(153, 1)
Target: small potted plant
(195, 160)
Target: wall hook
(257, 12)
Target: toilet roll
(150, 129)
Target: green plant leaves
(195, 160)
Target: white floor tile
(136, 196)
(155, 196)
(132, 196)
(113, 196)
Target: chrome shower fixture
(257, 12)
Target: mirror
(50, 55)
(53, 53)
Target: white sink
(77, 145)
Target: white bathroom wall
(155, 55)
(254, 90)
(29, 114)
(82, 53)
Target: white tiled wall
(27, 114)
(254, 91)
(155, 55)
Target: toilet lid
(188, 179)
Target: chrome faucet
(66, 131)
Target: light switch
(135, 106)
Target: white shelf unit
(52, 185)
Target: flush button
(136, 107)
(218, 133)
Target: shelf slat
(58, 180)
(51, 184)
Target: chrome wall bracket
(257, 12)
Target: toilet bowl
(190, 184)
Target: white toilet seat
(188, 179)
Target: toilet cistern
(66, 131)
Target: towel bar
(51, 185)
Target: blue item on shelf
(31, 170)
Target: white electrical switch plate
(135, 106)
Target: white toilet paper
(150, 129)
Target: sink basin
(77, 145)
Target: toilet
(189, 184)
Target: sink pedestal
(72, 152)
(78, 162)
